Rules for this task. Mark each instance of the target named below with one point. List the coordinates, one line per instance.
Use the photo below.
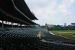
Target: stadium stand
(27, 37)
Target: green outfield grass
(69, 34)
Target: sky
(53, 11)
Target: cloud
(52, 11)
(64, 10)
(64, 7)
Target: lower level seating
(26, 39)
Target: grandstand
(22, 33)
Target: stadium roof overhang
(7, 17)
(10, 11)
(22, 6)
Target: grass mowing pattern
(69, 34)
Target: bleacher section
(26, 39)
